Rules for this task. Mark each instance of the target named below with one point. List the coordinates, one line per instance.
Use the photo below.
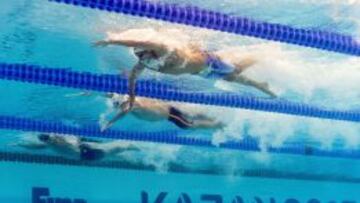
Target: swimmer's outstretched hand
(102, 43)
(106, 126)
(81, 94)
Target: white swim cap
(118, 99)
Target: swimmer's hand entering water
(102, 43)
(125, 108)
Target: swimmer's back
(150, 109)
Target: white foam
(109, 110)
(158, 155)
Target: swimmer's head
(44, 137)
(118, 99)
(116, 104)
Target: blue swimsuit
(217, 68)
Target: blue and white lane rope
(165, 137)
(153, 89)
(191, 15)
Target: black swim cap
(90, 154)
(44, 137)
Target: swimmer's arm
(117, 117)
(132, 43)
(30, 145)
(135, 72)
(80, 94)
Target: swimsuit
(178, 118)
(217, 68)
(87, 153)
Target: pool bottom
(34, 182)
(172, 168)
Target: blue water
(56, 35)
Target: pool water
(56, 35)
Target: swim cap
(118, 99)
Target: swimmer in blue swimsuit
(178, 58)
(218, 69)
(83, 148)
(155, 110)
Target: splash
(159, 156)
(103, 117)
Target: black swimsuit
(87, 153)
(178, 118)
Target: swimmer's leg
(199, 121)
(262, 86)
(206, 123)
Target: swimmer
(73, 146)
(165, 57)
(155, 110)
